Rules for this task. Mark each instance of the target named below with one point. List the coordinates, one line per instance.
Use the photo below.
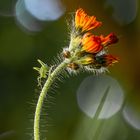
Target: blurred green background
(20, 47)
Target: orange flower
(110, 59)
(109, 39)
(85, 22)
(87, 50)
(105, 60)
(91, 43)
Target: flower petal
(85, 22)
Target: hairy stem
(42, 96)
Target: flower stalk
(42, 96)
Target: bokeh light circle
(91, 92)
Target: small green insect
(43, 72)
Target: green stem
(42, 96)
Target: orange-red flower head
(109, 39)
(85, 22)
(86, 50)
(110, 59)
(106, 60)
(91, 43)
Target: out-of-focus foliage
(20, 47)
